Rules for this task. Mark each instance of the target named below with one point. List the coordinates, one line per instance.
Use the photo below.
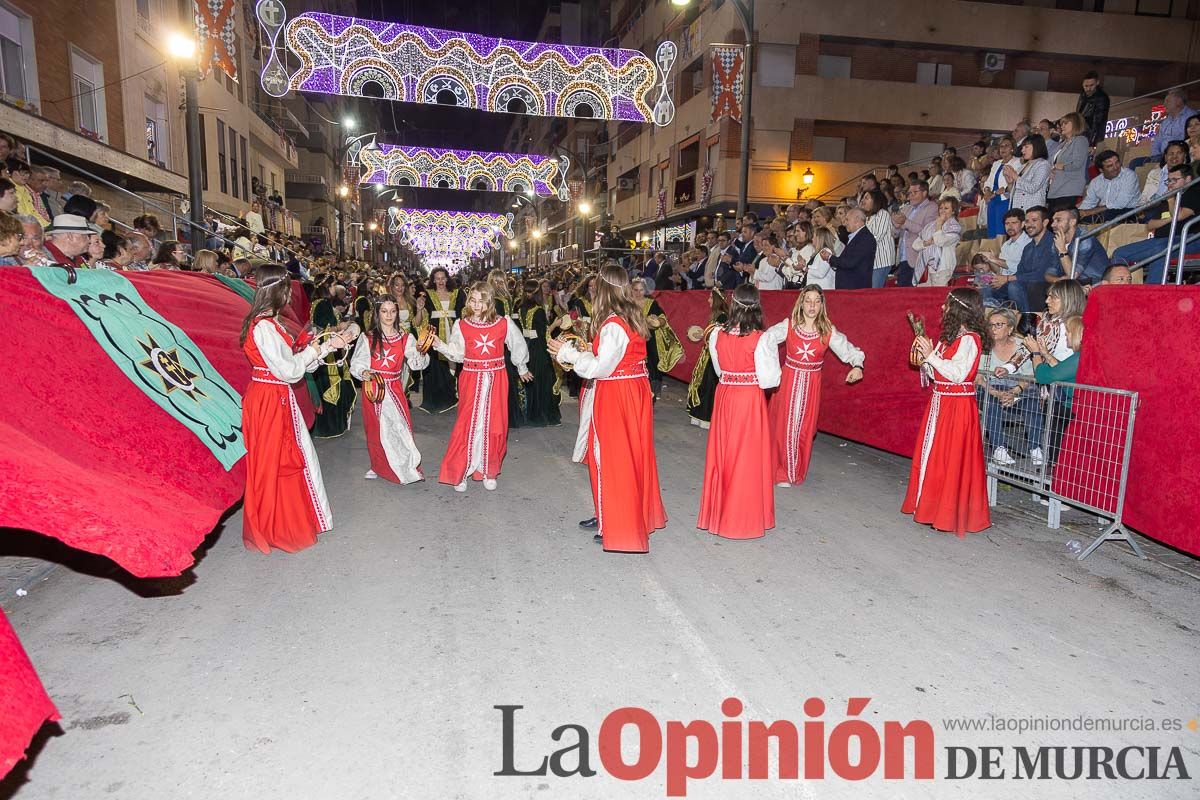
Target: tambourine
(915, 357)
(576, 341)
(654, 321)
(425, 338)
(695, 333)
(374, 388)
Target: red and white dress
(738, 499)
(616, 436)
(285, 505)
(947, 487)
(479, 440)
(794, 408)
(388, 425)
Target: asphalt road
(370, 665)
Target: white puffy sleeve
(456, 348)
(613, 342)
(514, 339)
(279, 358)
(844, 350)
(778, 332)
(766, 363)
(415, 358)
(958, 366)
(712, 350)
(360, 362)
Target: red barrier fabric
(1140, 338)
(885, 409)
(24, 704)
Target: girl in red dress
(617, 417)
(388, 424)
(947, 487)
(285, 505)
(479, 440)
(738, 500)
(806, 335)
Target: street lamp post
(745, 11)
(343, 192)
(183, 49)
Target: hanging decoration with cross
(728, 81)
(216, 40)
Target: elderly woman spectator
(205, 261)
(1068, 177)
(938, 244)
(995, 203)
(170, 255)
(879, 223)
(11, 233)
(1005, 375)
(1027, 186)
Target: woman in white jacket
(937, 245)
(821, 271)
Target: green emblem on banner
(157, 357)
(245, 290)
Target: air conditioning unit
(993, 62)
(627, 184)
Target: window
(14, 33)
(929, 73)
(203, 155)
(776, 65)
(1031, 80)
(157, 141)
(829, 148)
(245, 171)
(233, 163)
(771, 149)
(87, 84)
(833, 66)
(689, 158)
(714, 155)
(691, 80)
(143, 9)
(224, 180)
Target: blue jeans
(1027, 412)
(1134, 252)
(879, 277)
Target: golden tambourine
(915, 356)
(374, 388)
(695, 333)
(654, 321)
(425, 338)
(576, 341)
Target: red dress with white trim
(617, 436)
(795, 407)
(388, 424)
(285, 505)
(738, 499)
(479, 440)
(947, 487)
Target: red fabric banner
(24, 704)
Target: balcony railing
(303, 177)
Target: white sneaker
(371, 475)
(783, 484)
(462, 487)
(489, 484)
(1036, 457)
(1000, 456)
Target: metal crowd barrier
(1068, 442)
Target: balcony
(305, 186)
(314, 230)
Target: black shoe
(588, 524)
(598, 539)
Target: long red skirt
(738, 499)
(285, 506)
(793, 409)
(947, 487)
(479, 440)
(380, 423)
(622, 465)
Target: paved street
(368, 666)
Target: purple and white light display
(411, 64)
(395, 165)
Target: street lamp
(183, 49)
(343, 192)
(585, 207)
(745, 11)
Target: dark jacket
(727, 276)
(1094, 111)
(853, 267)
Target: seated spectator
(1153, 248)
(11, 232)
(100, 217)
(242, 245)
(980, 161)
(8, 147)
(1005, 374)
(117, 252)
(1064, 300)
(147, 224)
(935, 180)
(1003, 267)
(28, 203)
(170, 255)
(961, 181)
(8, 196)
(77, 187)
(141, 250)
(1091, 260)
(242, 267)
(1025, 288)
(1051, 369)
(938, 243)
(1111, 193)
(1117, 275)
(1156, 179)
(33, 250)
(95, 251)
(67, 240)
(205, 261)
(81, 206)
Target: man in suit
(738, 261)
(853, 267)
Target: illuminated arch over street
(467, 170)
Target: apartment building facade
(842, 87)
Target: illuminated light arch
(397, 174)
(480, 71)
(364, 71)
(578, 93)
(385, 164)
